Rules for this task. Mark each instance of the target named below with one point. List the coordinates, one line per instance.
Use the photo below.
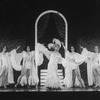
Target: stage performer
(54, 57)
(72, 72)
(93, 66)
(25, 72)
(33, 77)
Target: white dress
(70, 63)
(52, 79)
(28, 61)
(10, 69)
(27, 65)
(96, 65)
(4, 70)
(33, 78)
(96, 62)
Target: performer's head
(96, 49)
(4, 49)
(28, 49)
(57, 44)
(72, 49)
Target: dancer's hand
(62, 44)
(18, 47)
(82, 47)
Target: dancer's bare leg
(20, 77)
(79, 77)
(4, 73)
(28, 74)
(96, 73)
(73, 77)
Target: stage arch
(65, 22)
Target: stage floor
(43, 89)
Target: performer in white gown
(72, 72)
(4, 71)
(33, 78)
(52, 79)
(94, 66)
(27, 65)
(9, 68)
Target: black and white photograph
(49, 46)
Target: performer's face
(56, 47)
(96, 49)
(4, 49)
(72, 49)
(28, 48)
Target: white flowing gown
(33, 78)
(53, 79)
(4, 70)
(70, 63)
(10, 69)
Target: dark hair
(72, 46)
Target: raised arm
(64, 47)
(17, 48)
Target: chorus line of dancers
(33, 59)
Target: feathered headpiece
(56, 41)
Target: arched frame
(62, 16)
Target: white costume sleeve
(39, 51)
(64, 62)
(13, 61)
(79, 58)
(18, 58)
(87, 53)
(39, 58)
(43, 49)
(99, 59)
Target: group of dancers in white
(33, 59)
(12, 60)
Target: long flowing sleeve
(38, 58)
(13, 61)
(64, 63)
(39, 51)
(10, 69)
(87, 53)
(79, 58)
(18, 58)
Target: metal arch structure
(62, 16)
(66, 26)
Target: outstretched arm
(64, 46)
(42, 49)
(18, 48)
(81, 47)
